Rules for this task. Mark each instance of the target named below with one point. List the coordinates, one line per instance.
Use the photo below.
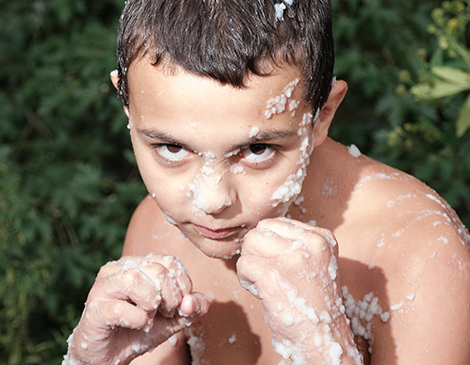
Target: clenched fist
(136, 304)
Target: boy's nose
(212, 193)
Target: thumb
(193, 306)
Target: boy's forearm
(322, 340)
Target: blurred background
(68, 180)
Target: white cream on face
(277, 104)
(289, 191)
(206, 185)
(254, 132)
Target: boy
(229, 106)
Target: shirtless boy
(229, 106)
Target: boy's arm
(147, 224)
(149, 231)
(135, 305)
(427, 269)
(292, 268)
(174, 351)
(139, 240)
(428, 289)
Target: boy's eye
(257, 152)
(172, 151)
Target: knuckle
(106, 270)
(131, 275)
(116, 310)
(318, 242)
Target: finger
(194, 305)
(108, 269)
(151, 263)
(250, 270)
(177, 269)
(162, 328)
(298, 231)
(263, 242)
(131, 285)
(124, 262)
(167, 285)
(284, 227)
(113, 313)
(290, 228)
(173, 264)
(172, 296)
(152, 283)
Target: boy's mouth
(218, 233)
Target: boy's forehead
(204, 115)
(143, 76)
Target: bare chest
(234, 330)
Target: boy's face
(218, 159)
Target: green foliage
(444, 77)
(66, 188)
(381, 46)
(68, 182)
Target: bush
(380, 46)
(68, 180)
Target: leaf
(437, 90)
(463, 122)
(437, 58)
(452, 75)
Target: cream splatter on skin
(204, 184)
(237, 170)
(196, 344)
(277, 104)
(361, 313)
(354, 151)
(293, 105)
(377, 176)
(254, 132)
(200, 189)
(296, 321)
(293, 185)
(173, 340)
(169, 219)
(329, 187)
(232, 339)
(233, 153)
(299, 200)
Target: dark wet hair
(226, 40)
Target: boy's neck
(328, 186)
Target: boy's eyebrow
(264, 136)
(154, 134)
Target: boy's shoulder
(399, 241)
(150, 232)
(348, 192)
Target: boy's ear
(338, 91)
(115, 80)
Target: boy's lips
(218, 233)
